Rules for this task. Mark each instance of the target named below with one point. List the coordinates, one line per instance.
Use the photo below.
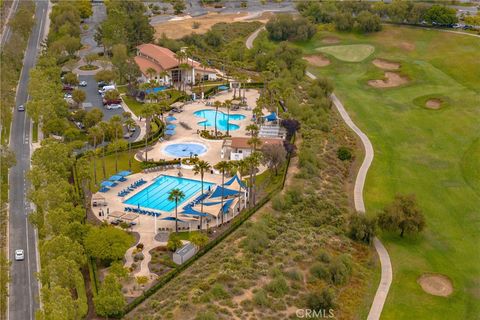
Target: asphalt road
(6, 32)
(23, 294)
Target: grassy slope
(434, 154)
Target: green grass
(434, 154)
(110, 165)
(133, 104)
(34, 132)
(349, 53)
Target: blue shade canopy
(190, 211)
(155, 90)
(115, 178)
(226, 205)
(170, 132)
(271, 117)
(170, 126)
(226, 192)
(234, 179)
(124, 173)
(108, 184)
(170, 118)
(223, 88)
(172, 219)
(104, 189)
(211, 203)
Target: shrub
(140, 246)
(319, 271)
(218, 292)
(260, 298)
(321, 300)
(324, 257)
(339, 271)
(294, 275)
(208, 315)
(344, 153)
(196, 25)
(361, 228)
(278, 287)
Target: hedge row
(237, 222)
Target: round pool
(185, 149)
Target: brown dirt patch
(177, 29)
(436, 284)
(407, 46)
(433, 104)
(330, 40)
(392, 79)
(386, 65)
(317, 60)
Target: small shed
(184, 253)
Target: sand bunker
(330, 40)
(436, 284)
(386, 65)
(317, 60)
(392, 79)
(433, 104)
(407, 46)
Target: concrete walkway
(252, 37)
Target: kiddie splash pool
(185, 149)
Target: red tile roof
(144, 64)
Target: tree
(89, 58)
(107, 243)
(147, 112)
(398, 10)
(361, 227)
(368, 22)
(106, 76)
(174, 242)
(176, 195)
(62, 246)
(71, 79)
(112, 95)
(116, 146)
(216, 104)
(57, 303)
(403, 215)
(284, 27)
(323, 300)
(179, 6)
(110, 302)
(223, 167)
(441, 15)
(274, 156)
(199, 240)
(201, 166)
(316, 12)
(78, 96)
(151, 72)
(84, 8)
(92, 117)
(253, 161)
(228, 105)
(343, 21)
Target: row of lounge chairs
(141, 211)
(132, 187)
(160, 168)
(197, 200)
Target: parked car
(106, 88)
(79, 125)
(113, 106)
(83, 83)
(19, 255)
(127, 135)
(67, 87)
(101, 84)
(112, 101)
(21, 108)
(67, 96)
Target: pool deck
(182, 135)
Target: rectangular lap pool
(155, 196)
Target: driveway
(99, 14)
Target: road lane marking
(28, 270)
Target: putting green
(349, 53)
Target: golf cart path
(386, 265)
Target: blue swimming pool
(186, 149)
(222, 119)
(155, 196)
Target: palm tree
(129, 123)
(162, 75)
(95, 134)
(217, 104)
(228, 105)
(200, 168)
(176, 195)
(151, 72)
(223, 167)
(116, 123)
(241, 166)
(184, 67)
(253, 161)
(148, 111)
(104, 127)
(253, 128)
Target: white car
(114, 106)
(83, 83)
(19, 255)
(21, 108)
